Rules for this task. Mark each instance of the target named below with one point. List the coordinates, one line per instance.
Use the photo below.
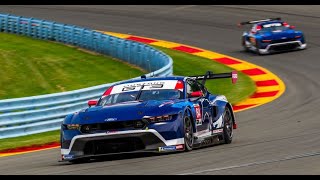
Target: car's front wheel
(188, 132)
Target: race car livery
(271, 35)
(157, 114)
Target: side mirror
(92, 103)
(196, 94)
(292, 27)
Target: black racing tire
(188, 132)
(227, 126)
(243, 43)
(257, 50)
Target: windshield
(159, 94)
(273, 27)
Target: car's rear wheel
(243, 43)
(188, 132)
(228, 126)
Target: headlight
(73, 126)
(156, 119)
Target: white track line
(256, 163)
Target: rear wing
(257, 21)
(210, 75)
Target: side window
(192, 86)
(203, 89)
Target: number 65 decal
(198, 114)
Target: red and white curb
(268, 86)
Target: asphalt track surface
(281, 137)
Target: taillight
(258, 27)
(235, 126)
(179, 86)
(297, 37)
(285, 24)
(108, 91)
(266, 40)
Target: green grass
(34, 67)
(184, 64)
(34, 139)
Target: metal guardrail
(35, 114)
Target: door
(201, 105)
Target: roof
(269, 22)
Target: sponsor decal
(110, 132)
(68, 156)
(198, 114)
(137, 86)
(169, 102)
(180, 146)
(217, 131)
(148, 85)
(272, 25)
(110, 119)
(167, 148)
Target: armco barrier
(30, 115)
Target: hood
(276, 35)
(127, 111)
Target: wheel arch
(232, 113)
(188, 109)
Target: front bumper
(109, 143)
(291, 45)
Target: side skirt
(208, 141)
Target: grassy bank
(33, 67)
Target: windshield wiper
(139, 93)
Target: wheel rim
(188, 131)
(228, 124)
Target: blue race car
(271, 35)
(158, 114)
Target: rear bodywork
(272, 35)
(143, 125)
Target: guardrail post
(6, 23)
(127, 52)
(72, 39)
(51, 31)
(18, 25)
(40, 27)
(61, 34)
(99, 44)
(29, 27)
(1, 21)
